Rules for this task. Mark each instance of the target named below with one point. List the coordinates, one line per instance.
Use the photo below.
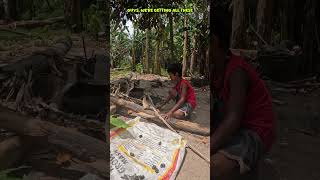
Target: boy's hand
(159, 107)
(168, 115)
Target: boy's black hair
(175, 68)
(221, 23)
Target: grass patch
(164, 72)
(119, 73)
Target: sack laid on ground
(145, 151)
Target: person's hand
(168, 116)
(159, 107)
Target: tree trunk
(2, 10)
(309, 35)
(157, 69)
(239, 25)
(284, 20)
(146, 53)
(73, 14)
(171, 44)
(66, 138)
(194, 54)
(185, 48)
(107, 25)
(134, 50)
(206, 70)
(76, 16)
(202, 60)
(67, 12)
(264, 19)
(10, 7)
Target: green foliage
(139, 68)
(38, 9)
(120, 46)
(119, 74)
(93, 19)
(164, 72)
(4, 175)
(117, 122)
(158, 23)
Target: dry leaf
(63, 158)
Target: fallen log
(40, 62)
(33, 23)
(149, 115)
(113, 109)
(11, 151)
(15, 32)
(83, 146)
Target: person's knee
(224, 168)
(179, 114)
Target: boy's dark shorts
(186, 108)
(246, 148)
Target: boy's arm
(238, 91)
(182, 100)
(165, 102)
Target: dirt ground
(295, 155)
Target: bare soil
(295, 155)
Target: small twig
(303, 131)
(278, 102)
(258, 35)
(171, 128)
(85, 72)
(10, 94)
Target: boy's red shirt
(191, 96)
(258, 116)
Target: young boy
(182, 93)
(243, 118)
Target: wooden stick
(258, 35)
(168, 125)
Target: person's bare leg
(224, 168)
